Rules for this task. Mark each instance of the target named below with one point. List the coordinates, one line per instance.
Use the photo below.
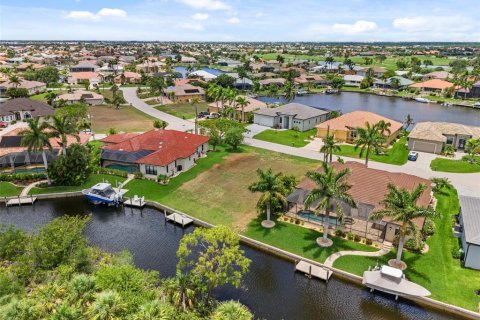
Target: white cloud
(233, 20)
(361, 26)
(447, 24)
(191, 26)
(259, 14)
(206, 4)
(200, 16)
(107, 12)
(102, 13)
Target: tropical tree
(408, 121)
(369, 139)
(400, 205)
(384, 127)
(472, 147)
(329, 146)
(242, 102)
(50, 96)
(116, 101)
(440, 184)
(289, 91)
(15, 80)
(36, 139)
(62, 127)
(271, 188)
(395, 83)
(231, 310)
(331, 187)
(194, 102)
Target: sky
(241, 20)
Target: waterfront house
(442, 75)
(185, 92)
(207, 76)
(377, 71)
(436, 85)
(90, 98)
(253, 105)
(20, 109)
(402, 83)
(344, 127)
(313, 79)
(469, 219)
(153, 153)
(433, 136)
(289, 116)
(368, 188)
(229, 63)
(353, 80)
(473, 92)
(276, 81)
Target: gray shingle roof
(300, 111)
(36, 108)
(470, 208)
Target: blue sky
(241, 20)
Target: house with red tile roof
(368, 188)
(433, 85)
(153, 153)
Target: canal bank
(376, 300)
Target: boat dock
(18, 201)
(313, 270)
(136, 201)
(179, 219)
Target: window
(150, 170)
(449, 140)
(280, 120)
(353, 134)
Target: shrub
(357, 238)
(297, 221)
(113, 172)
(71, 169)
(160, 124)
(138, 175)
(456, 253)
(163, 178)
(350, 236)
(448, 151)
(338, 232)
(428, 227)
(368, 242)
(413, 245)
(22, 177)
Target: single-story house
(84, 66)
(253, 105)
(207, 76)
(14, 155)
(344, 127)
(33, 87)
(377, 71)
(190, 60)
(433, 85)
(276, 81)
(153, 153)
(314, 79)
(442, 75)
(473, 92)
(402, 82)
(240, 83)
(368, 189)
(91, 98)
(469, 219)
(128, 77)
(28, 65)
(353, 80)
(150, 66)
(79, 77)
(433, 136)
(20, 109)
(184, 93)
(289, 116)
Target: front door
(18, 116)
(461, 143)
(286, 123)
(390, 232)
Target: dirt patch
(126, 119)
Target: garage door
(425, 147)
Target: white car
(413, 156)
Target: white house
(289, 116)
(353, 80)
(470, 223)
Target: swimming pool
(30, 170)
(128, 168)
(311, 217)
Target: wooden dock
(179, 219)
(137, 202)
(20, 200)
(311, 270)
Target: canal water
(390, 107)
(271, 289)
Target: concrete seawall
(340, 274)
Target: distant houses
(435, 85)
(90, 98)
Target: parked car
(413, 156)
(3, 124)
(203, 114)
(213, 115)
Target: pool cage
(21, 161)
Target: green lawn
(216, 189)
(397, 154)
(8, 189)
(300, 240)
(286, 137)
(92, 180)
(183, 110)
(458, 166)
(436, 270)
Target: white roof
(204, 74)
(102, 186)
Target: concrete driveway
(254, 129)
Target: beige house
(344, 128)
(91, 98)
(33, 87)
(184, 93)
(433, 136)
(253, 105)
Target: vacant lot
(290, 138)
(126, 119)
(215, 190)
(183, 110)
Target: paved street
(466, 183)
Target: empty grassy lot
(183, 110)
(8, 189)
(126, 119)
(290, 138)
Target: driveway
(19, 124)
(255, 129)
(174, 123)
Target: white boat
(392, 281)
(422, 100)
(103, 193)
(301, 92)
(476, 105)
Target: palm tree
(108, 305)
(329, 146)
(36, 139)
(331, 188)
(50, 96)
(116, 101)
(270, 186)
(180, 291)
(439, 184)
(368, 139)
(194, 102)
(289, 91)
(242, 102)
(15, 80)
(395, 83)
(231, 310)
(408, 121)
(384, 127)
(62, 127)
(401, 206)
(472, 147)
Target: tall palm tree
(242, 102)
(50, 96)
(369, 139)
(401, 206)
(289, 91)
(194, 102)
(271, 187)
(439, 184)
(36, 139)
(329, 146)
(331, 188)
(62, 127)
(15, 80)
(408, 121)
